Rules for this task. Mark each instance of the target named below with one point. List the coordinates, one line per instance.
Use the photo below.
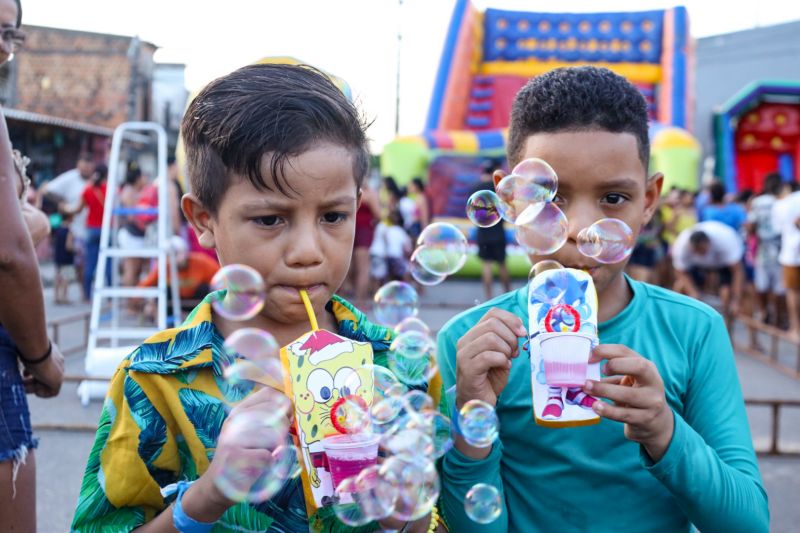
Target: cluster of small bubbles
(253, 477)
(245, 292)
(442, 249)
(531, 182)
(544, 266)
(417, 485)
(394, 302)
(483, 209)
(608, 240)
(545, 231)
(364, 498)
(482, 503)
(478, 424)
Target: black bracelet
(38, 360)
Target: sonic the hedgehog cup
(562, 309)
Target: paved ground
(62, 454)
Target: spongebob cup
(323, 370)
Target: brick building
(66, 91)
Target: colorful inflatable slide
(489, 55)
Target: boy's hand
(253, 447)
(637, 390)
(44, 379)
(484, 354)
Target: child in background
(390, 249)
(276, 157)
(673, 447)
(64, 259)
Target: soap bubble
(530, 183)
(350, 414)
(420, 274)
(413, 358)
(388, 393)
(254, 358)
(417, 482)
(395, 302)
(346, 504)
(544, 266)
(609, 240)
(246, 476)
(413, 323)
(540, 173)
(245, 295)
(363, 498)
(545, 232)
(287, 464)
(411, 442)
(482, 503)
(477, 422)
(417, 401)
(443, 249)
(483, 209)
(436, 426)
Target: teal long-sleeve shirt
(594, 479)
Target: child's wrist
(657, 447)
(204, 502)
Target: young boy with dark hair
(276, 157)
(673, 447)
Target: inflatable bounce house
(758, 132)
(488, 56)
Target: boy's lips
(310, 288)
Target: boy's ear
(200, 219)
(498, 175)
(652, 195)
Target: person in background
(93, 200)
(730, 213)
(29, 361)
(195, 272)
(785, 218)
(710, 247)
(389, 196)
(131, 235)
(68, 188)
(367, 217)
(64, 259)
(177, 218)
(491, 241)
(414, 208)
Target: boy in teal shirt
(673, 447)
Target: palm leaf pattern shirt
(160, 422)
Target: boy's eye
(269, 220)
(334, 217)
(614, 199)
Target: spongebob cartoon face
(324, 368)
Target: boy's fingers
(490, 341)
(630, 396)
(485, 361)
(614, 380)
(636, 367)
(611, 351)
(510, 320)
(626, 415)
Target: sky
(354, 39)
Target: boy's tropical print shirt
(160, 422)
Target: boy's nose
(580, 217)
(304, 249)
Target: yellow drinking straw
(310, 310)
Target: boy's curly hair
(578, 99)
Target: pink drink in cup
(349, 454)
(566, 358)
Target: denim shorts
(16, 437)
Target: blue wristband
(183, 522)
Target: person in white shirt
(767, 274)
(68, 187)
(785, 217)
(709, 247)
(390, 249)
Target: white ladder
(102, 360)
